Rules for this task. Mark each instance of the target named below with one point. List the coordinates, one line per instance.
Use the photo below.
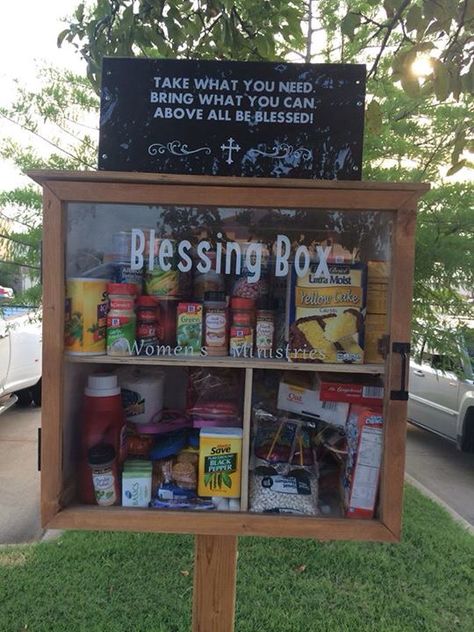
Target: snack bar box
(351, 389)
(300, 395)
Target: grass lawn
(113, 582)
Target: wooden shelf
(218, 523)
(227, 362)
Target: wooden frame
(133, 188)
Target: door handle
(453, 383)
(419, 373)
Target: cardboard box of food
(326, 314)
(351, 389)
(300, 395)
(375, 329)
(377, 298)
(364, 431)
(136, 483)
(378, 271)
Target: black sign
(232, 118)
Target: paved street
(19, 479)
(441, 468)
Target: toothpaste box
(364, 432)
(136, 483)
(352, 389)
(299, 394)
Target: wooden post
(215, 569)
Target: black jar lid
(215, 297)
(100, 454)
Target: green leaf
(414, 19)
(374, 117)
(441, 81)
(455, 168)
(391, 7)
(411, 86)
(227, 480)
(349, 23)
(61, 37)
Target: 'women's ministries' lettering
(227, 257)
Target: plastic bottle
(103, 422)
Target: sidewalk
(19, 478)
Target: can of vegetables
(85, 321)
(162, 281)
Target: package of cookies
(326, 314)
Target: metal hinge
(403, 348)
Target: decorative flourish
(175, 147)
(283, 151)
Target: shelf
(218, 523)
(227, 362)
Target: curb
(51, 534)
(432, 496)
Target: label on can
(124, 274)
(85, 316)
(160, 282)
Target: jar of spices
(101, 459)
(264, 333)
(216, 325)
(242, 328)
(121, 319)
(147, 324)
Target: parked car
(442, 393)
(20, 357)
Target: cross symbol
(232, 146)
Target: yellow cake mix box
(326, 314)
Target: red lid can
(242, 303)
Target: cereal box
(364, 431)
(326, 316)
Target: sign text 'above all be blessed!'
(232, 118)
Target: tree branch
(46, 140)
(390, 26)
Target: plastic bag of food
(213, 385)
(293, 493)
(273, 440)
